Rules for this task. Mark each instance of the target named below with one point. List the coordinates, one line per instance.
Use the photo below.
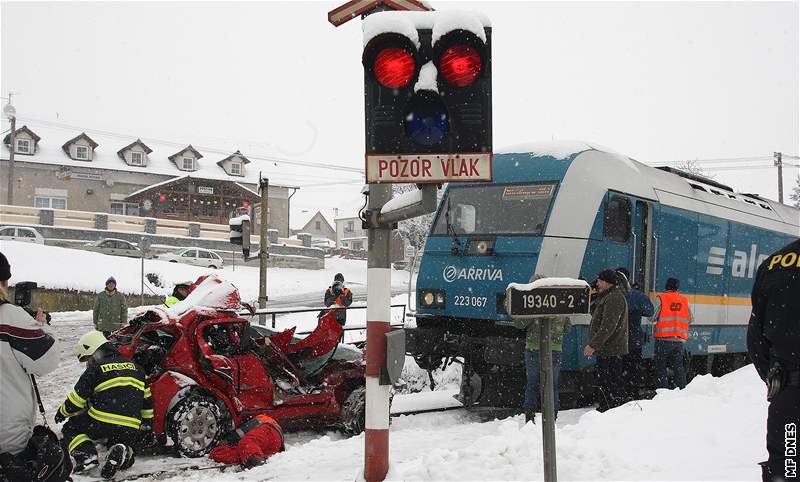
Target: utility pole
(376, 436)
(11, 113)
(263, 185)
(779, 165)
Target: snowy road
(717, 425)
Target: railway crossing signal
(428, 105)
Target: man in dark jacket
(773, 338)
(639, 305)
(340, 295)
(608, 339)
(110, 401)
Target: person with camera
(340, 295)
(27, 451)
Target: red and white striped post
(376, 440)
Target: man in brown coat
(608, 339)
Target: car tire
(197, 424)
(173, 261)
(354, 411)
(213, 267)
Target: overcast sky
(660, 82)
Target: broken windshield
(495, 209)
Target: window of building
(617, 219)
(137, 158)
(350, 226)
(357, 245)
(24, 146)
(236, 168)
(44, 202)
(82, 153)
(318, 225)
(188, 163)
(125, 209)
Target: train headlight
(432, 298)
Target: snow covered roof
(303, 217)
(109, 155)
(440, 22)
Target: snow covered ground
(55, 267)
(716, 427)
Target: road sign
(528, 301)
(428, 168)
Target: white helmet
(89, 343)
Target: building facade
(318, 227)
(106, 174)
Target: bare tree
(693, 167)
(414, 230)
(795, 195)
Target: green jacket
(110, 311)
(559, 326)
(608, 331)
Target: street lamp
(10, 113)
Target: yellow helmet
(89, 343)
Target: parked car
(20, 233)
(209, 370)
(194, 256)
(115, 247)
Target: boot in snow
(129, 459)
(530, 416)
(84, 461)
(116, 457)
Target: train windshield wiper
(456, 247)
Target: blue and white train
(571, 210)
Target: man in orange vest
(671, 330)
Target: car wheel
(354, 410)
(196, 425)
(213, 267)
(173, 261)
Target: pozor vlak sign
(428, 109)
(429, 168)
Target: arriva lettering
(743, 265)
(451, 273)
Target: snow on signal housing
(459, 56)
(392, 60)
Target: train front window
(495, 209)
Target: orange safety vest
(673, 319)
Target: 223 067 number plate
(548, 301)
(477, 301)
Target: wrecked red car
(209, 370)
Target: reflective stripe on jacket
(673, 316)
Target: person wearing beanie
(608, 340)
(671, 330)
(110, 311)
(340, 295)
(639, 305)
(26, 348)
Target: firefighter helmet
(89, 343)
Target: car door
(204, 258)
(127, 249)
(8, 233)
(189, 257)
(26, 234)
(109, 247)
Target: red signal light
(460, 65)
(394, 67)
(162, 197)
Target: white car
(20, 233)
(194, 256)
(115, 247)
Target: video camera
(22, 298)
(338, 287)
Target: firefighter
(179, 293)
(251, 444)
(340, 295)
(773, 338)
(671, 330)
(110, 401)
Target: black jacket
(112, 390)
(774, 331)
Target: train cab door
(627, 227)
